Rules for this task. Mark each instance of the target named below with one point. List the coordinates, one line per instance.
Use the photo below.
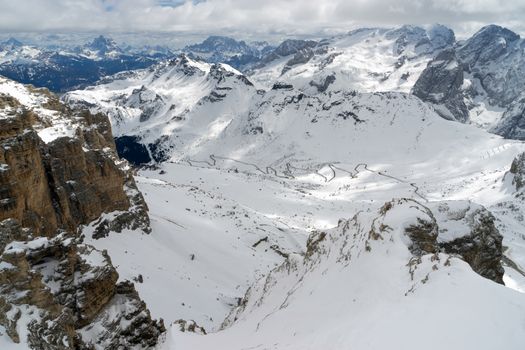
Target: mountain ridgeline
(63, 69)
(460, 80)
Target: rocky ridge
(366, 59)
(145, 113)
(433, 234)
(400, 252)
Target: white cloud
(253, 16)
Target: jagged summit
(222, 49)
(488, 44)
(103, 43)
(219, 43)
(101, 47)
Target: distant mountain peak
(237, 53)
(215, 43)
(12, 42)
(219, 39)
(103, 45)
(489, 43)
(496, 30)
(291, 46)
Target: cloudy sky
(253, 17)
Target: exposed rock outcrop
(440, 84)
(71, 179)
(64, 289)
(190, 326)
(517, 169)
(460, 228)
(512, 123)
(468, 230)
(58, 172)
(481, 81)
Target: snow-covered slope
(214, 224)
(188, 110)
(364, 59)
(175, 104)
(365, 285)
(259, 180)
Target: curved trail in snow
(288, 173)
(268, 169)
(411, 184)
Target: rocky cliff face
(59, 171)
(517, 169)
(440, 84)
(512, 123)
(59, 167)
(480, 80)
(58, 293)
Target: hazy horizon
(189, 21)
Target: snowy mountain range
(351, 192)
(63, 69)
(453, 77)
(364, 59)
